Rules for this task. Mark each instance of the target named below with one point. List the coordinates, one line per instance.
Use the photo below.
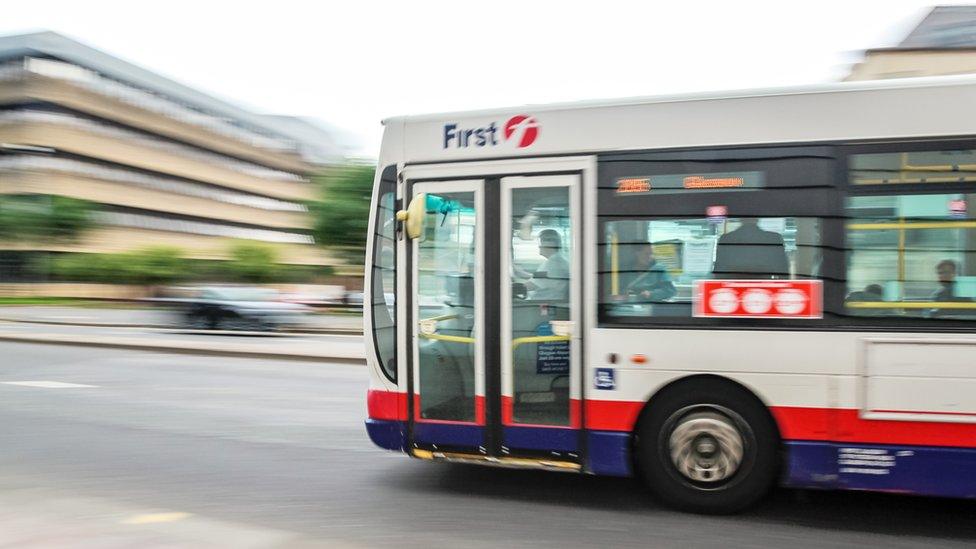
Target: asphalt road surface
(108, 448)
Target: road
(158, 450)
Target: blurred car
(354, 299)
(241, 308)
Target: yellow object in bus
(413, 216)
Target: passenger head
(549, 243)
(644, 255)
(946, 270)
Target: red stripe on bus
(386, 405)
(795, 423)
(612, 415)
(845, 425)
(820, 424)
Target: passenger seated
(871, 292)
(750, 252)
(651, 281)
(946, 271)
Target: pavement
(116, 448)
(158, 317)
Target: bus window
(650, 265)
(912, 255)
(383, 299)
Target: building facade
(943, 43)
(166, 164)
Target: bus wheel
(708, 448)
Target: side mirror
(413, 217)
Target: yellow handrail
(908, 225)
(910, 304)
(614, 265)
(454, 339)
(439, 318)
(537, 339)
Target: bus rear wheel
(711, 448)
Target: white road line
(154, 518)
(48, 384)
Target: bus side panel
(828, 440)
(919, 470)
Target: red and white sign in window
(758, 299)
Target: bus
(713, 293)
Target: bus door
(448, 331)
(540, 315)
(495, 285)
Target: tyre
(707, 447)
(197, 321)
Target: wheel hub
(706, 447)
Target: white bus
(715, 293)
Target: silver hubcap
(706, 447)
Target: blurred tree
(252, 262)
(149, 266)
(341, 215)
(156, 265)
(37, 218)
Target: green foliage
(44, 217)
(252, 262)
(156, 265)
(341, 215)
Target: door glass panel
(446, 259)
(541, 259)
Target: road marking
(154, 518)
(48, 384)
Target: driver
(551, 281)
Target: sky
(351, 64)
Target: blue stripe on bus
(921, 470)
(608, 453)
(391, 435)
(542, 438)
(449, 434)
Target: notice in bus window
(697, 256)
(552, 357)
(758, 299)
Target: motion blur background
(120, 184)
(208, 165)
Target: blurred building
(167, 164)
(944, 42)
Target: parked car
(353, 299)
(241, 308)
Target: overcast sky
(353, 63)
